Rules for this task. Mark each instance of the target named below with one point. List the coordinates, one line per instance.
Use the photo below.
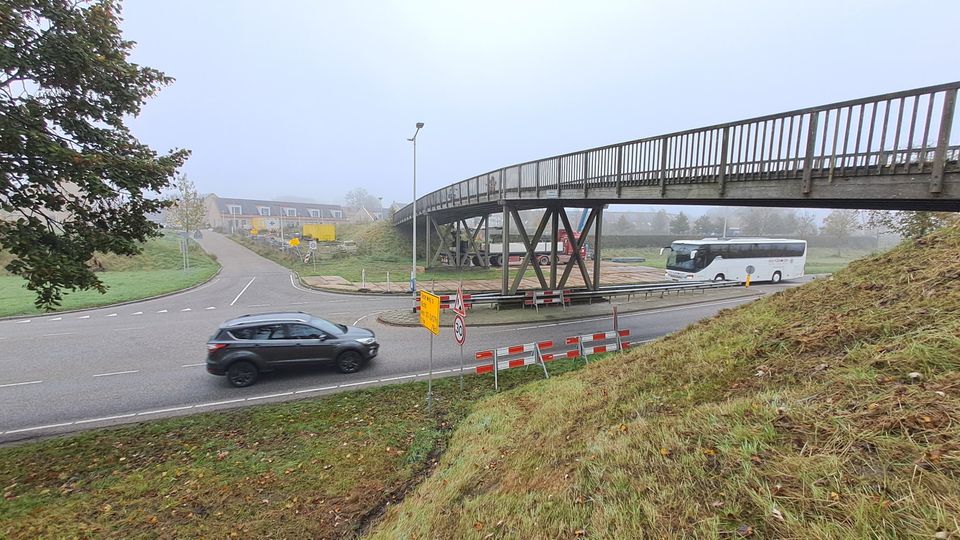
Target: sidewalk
(484, 315)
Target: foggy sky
(309, 99)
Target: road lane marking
(220, 402)
(334, 387)
(193, 365)
(365, 316)
(138, 313)
(57, 319)
(185, 309)
(162, 311)
(211, 307)
(243, 290)
(19, 383)
(117, 373)
(24, 322)
(103, 419)
(299, 303)
(256, 305)
(49, 426)
(112, 315)
(84, 317)
(161, 411)
(129, 328)
(59, 334)
(270, 396)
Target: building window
(290, 212)
(234, 209)
(263, 210)
(337, 214)
(314, 213)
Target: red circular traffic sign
(460, 329)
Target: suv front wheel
(349, 362)
(242, 373)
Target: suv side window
(270, 331)
(303, 331)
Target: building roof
(249, 207)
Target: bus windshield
(679, 258)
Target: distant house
(232, 215)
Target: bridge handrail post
(664, 142)
(943, 139)
(722, 178)
(811, 148)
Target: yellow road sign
(254, 231)
(294, 242)
(430, 312)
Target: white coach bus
(771, 259)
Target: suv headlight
(367, 340)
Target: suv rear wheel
(242, 373)
(349, 362)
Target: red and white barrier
(500, 358)
(446, 301)
(545, 298)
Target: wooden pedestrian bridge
(896, 151)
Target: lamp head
(419, 125)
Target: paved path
(65, 372)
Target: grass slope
(794, 417)
(157, 270)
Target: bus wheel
(495, 260)
(776, 277)
(719, 277)
(543, 260)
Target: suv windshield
(329, 327)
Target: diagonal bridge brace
(530, 246)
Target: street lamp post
(413, 269)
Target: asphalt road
(73, 371)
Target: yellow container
(325, 232)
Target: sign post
(750, 269)
(313, 249)
(460, 333)
(430, 319)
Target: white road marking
(162, 311)
(60, 334)
(442, 371)
(117, 373)
(84, 317)
(243, 290)
(270, 396)
(57, 319)
(219, 403)
(316, 389)
(138, 313)
(256, 305)
(38, 427)
(112, 315)
(24, 322)
(299, 303)
(129, 328)
(185, 309)
(161, 411)
(193, 365)
(365, 316)
(103, 419)
(211, 307)
(390, 379)
(19, 383)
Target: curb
(125, 303)
(573, 318)
(346, 293)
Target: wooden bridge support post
(457, 247)
(428, 232)
(597, 232)
(486, 241)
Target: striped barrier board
(446, 301)
(550, 357)
(600, 336)
(544, 298)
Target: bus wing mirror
(664, 249)
(693, 253)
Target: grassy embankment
(826, 411)
(819, 260)
(157, 270)
(320, 468)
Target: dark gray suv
(246, 346)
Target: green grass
(155, 271)
(826, 411)
(309, 469)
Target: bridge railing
(907, 132)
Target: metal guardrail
(616, 290)
(905, 133)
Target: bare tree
(840, 224)
(187, 212)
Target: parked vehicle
(765, 259)
(247, 346)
